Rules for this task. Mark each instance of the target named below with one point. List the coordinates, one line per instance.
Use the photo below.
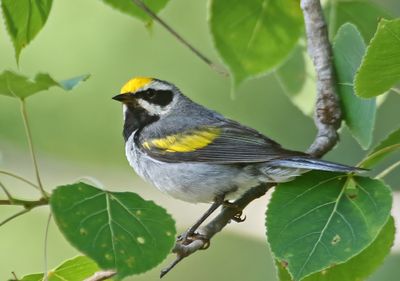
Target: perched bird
(195, 154)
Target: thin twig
(45, 257)
(16, 215)
(8, 194)
(327, 120)
(101, 275)
(327, 115)
(177, 260)
(156, 18)
(19, 178)
(31, 148)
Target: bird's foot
(231, 205)
(184, 237)
(188, 237)
(238, 216)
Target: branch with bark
(327, 114)
(327, 118)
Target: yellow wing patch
(135, 84)
(187, 142)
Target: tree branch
(178, 37)
(27, 204)
(327, 120)
(327, 115)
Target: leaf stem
(31, 148)
(332, 19)
(365, 163)
(388, 170)
(19, 178)
(156, 18)
(45, 257)
(397, 91)
(15, 276)
(8, 194)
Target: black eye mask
(157, 97)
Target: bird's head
(154, 96)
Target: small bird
(197, 155)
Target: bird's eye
(151, 94)
(157, 97)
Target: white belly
(192, 182)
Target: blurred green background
(79, 133)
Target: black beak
(121, 97)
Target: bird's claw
(239, 218)
(186, 238)
(231, 205)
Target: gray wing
(225, 142)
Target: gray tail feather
(314, 164)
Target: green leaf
(18, 86)
(380, 68)
(32, 277)
(359, 114)
(75, 269)
(254, 36)
(360, 266)
(296, 76)
(363, 14)
(118, 230)
(71, 83)
(24, 19)
(128, 7)
(312, 224)
(382, 150)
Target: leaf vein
(91, 216)
(310, 189)
(133, 215)
(129, 233)
(347, 223)
(305, 214)
(83, 200)
(368, 195)
(324, 229)
(111, 228)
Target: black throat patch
(135, 119)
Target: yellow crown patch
(135, 84)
